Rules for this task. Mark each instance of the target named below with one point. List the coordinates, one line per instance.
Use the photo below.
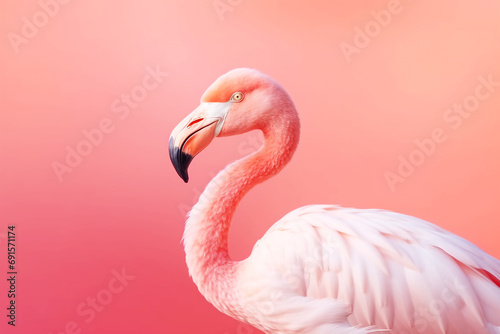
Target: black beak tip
(180, 160)
(184, 175)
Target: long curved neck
(207, 228)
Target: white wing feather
(388, 271)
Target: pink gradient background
(122, 207)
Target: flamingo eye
(237, 97)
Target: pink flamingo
(321, 269)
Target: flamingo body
(375, 268)
(320, 269)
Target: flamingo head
(237, 102)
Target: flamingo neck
(207, 228)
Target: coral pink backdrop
(399, 103)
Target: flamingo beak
(194, 133)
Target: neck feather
(207, 228)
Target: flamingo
(321, 269)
